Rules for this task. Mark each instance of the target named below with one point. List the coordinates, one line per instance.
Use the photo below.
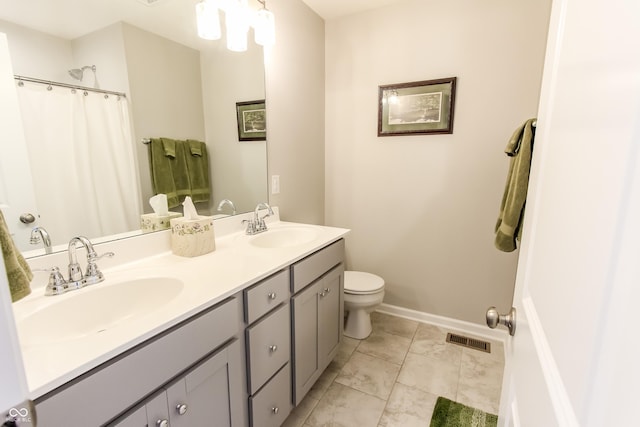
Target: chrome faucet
(227, 202)
(38, 234)
(93, 275)
(257, 225)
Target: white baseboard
(445, 322)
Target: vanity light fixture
(237, 16)
(238, 19)
(264, 28)
(208, 20)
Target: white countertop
(208, 279)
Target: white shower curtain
(81, 154)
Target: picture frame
(252, 120)
(416, 108)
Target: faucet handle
(251, 226)
(57, 284)
(261, 225)
(93, 274)
(93, 257)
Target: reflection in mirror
(175, 85)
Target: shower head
(77, 73)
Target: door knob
(27, 218)
(508, 320)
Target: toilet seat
(361, 283)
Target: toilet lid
(359, 282)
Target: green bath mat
(448, 413)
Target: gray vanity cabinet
(248, 360)
(317, 312)
(195, 352)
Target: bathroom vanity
(252, 328)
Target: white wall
(39, 55)
(103, 48)
(422, 208)
(294, 70)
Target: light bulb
(237, 22)
(208, 20)
(264, 30)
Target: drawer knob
(273, 348)
(162, 423)
(272, 295)
(327, 290)
(275, 410)
(182, 408)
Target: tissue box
(154, 222)
(192, 237)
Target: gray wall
(422, 208)
(294, 70)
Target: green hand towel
(180, 170)
(18, 271)
(198, 167)
(169, 146)
(161, 172)
(195, 147)
(169, 173)
(509, 225)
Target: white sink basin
(95, 309)
(284, 237)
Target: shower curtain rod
(51, 83)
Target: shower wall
(37, 54)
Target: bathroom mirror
(140, 48)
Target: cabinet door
(202, 397)
(157, 411)
(137, 418)
(330, 316)
(153, 413)
(305, 335)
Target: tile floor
(394, 377)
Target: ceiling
(330, 9)
(70, 19)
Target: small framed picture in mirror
(252, 120)
(423, 107)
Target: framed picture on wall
(416, 108)
(252, 120)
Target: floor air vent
(469, 342)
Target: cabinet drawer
(315, 265)
(266, 295)
(268, 347)
(271, 405)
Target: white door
(16, 187)
(13, 392)
(574, 358)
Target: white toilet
(363, 292)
